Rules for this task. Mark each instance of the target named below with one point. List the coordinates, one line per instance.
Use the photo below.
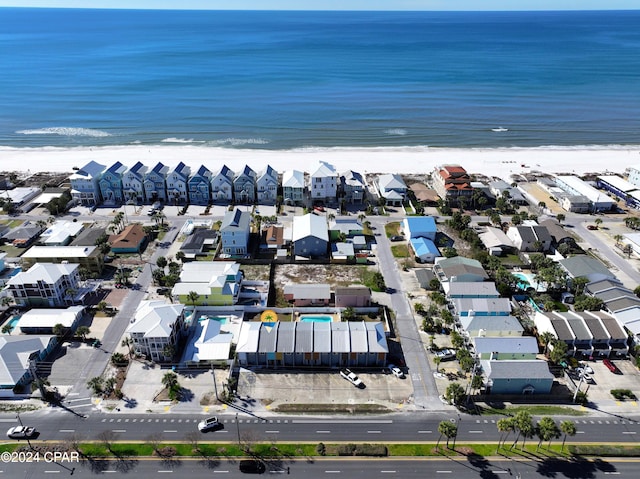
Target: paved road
(352, 468)
(424, 386)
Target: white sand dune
(500, 162)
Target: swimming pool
(528, 281)
(316, 319)
(221, 319)
(13, 322)
(15, 271)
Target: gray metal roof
(321, 337)
(489, 305)
(517, 369)
(268, 338)
(359, 340)
(286, 337)
(614, 293)
(563, 331)
(484, 288)
(14, 354)
(491, 323)
(304, 337)
(340, 340)
(622, 303)
(506, 345)
(577, 325)
(611, 324)
(598, 331)
(377, 337)
(583, 265)
(602, 285)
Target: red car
(610, 366)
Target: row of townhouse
(94, 184)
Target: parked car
(445, 354)
(209, 424)
(252, 467)
(395, 370)
(21, 432)
(351, 377)
(610, 366)
(397, 238)
(583, 374)
(587, 369)
(592, 227)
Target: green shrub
(321, 449)
(362, 450)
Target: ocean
(285, 80)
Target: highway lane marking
(67, 430)
(272, 432)
(612, 473)
(220, 472)
(443, 472)
(374, 432)
(476, 432)
(425, 432)
(499, 472)
(170, 430)
(165, 472)
(332, 472)
(388, 472)
(119, 430)
(323, 432)
(52, 472)
(8, 420)
(345, 421)
(628, 432)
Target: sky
(334, 4)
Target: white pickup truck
(351, 377)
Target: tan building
(88, 257)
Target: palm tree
(504, 425)
(546, 338)
(568, 428)
(560, 217)
(193, 297)
(547, 429)
(524, 426)
(180, 256)
(170, 380)
(59, 330)
(618, 238)
(437, 360)
(95, 384)
(598, 221)
(447, 429)
(161, 262)
(7, 328)
(83, 332)
(128, 343)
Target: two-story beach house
(323, 185)
(155, 183)
(199, 186)
(267, 185)
(156, 328)
(216, 283)
(234, 232)
(393, 189)
(293, 188)
(133, 184)
(352, 186)
(45, 285)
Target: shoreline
(501, 162)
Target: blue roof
(424, 246)
(421, 223)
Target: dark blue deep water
(281, 80)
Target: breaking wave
(64, 131)
(239, 142)
(396, 131)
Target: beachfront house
(45, 285)
(199, 186)
(244, 186)
(133, 184)
(216, 283)
(222, 185)
(352, 187)
(452, 182)
(111, 188)
(156, 329)
(310, 236)
(324, 183)
(393, 189)
(177, 184)
(293, 188)
(234, 232)
(267, 186)
(85, 184)
(155, 183)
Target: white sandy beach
(501, 162)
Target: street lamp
(238, 429)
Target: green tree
(128, 343)
(7, 328)
(457, 341)
(437, 362)
(193, 297)
(636, 291)
(180, 256)
(170, 382)
(161, 262)
(449, 252)
(83, 332)
(102, 306)
(524, 427)
(455, 394)
(559, 351)
(95, 384)
(547, 430)
(447, 429)
(560, 217)
(587, 303)
(505, 427)
(59, 330)
(568, 428)
(545, 339)
(349, 314)
(598, 222)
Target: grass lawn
(400, 251)
(392, 229)
(510, 259)
(12, 251)
(534, 410)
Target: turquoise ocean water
(279, 80)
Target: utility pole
(238, 429)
